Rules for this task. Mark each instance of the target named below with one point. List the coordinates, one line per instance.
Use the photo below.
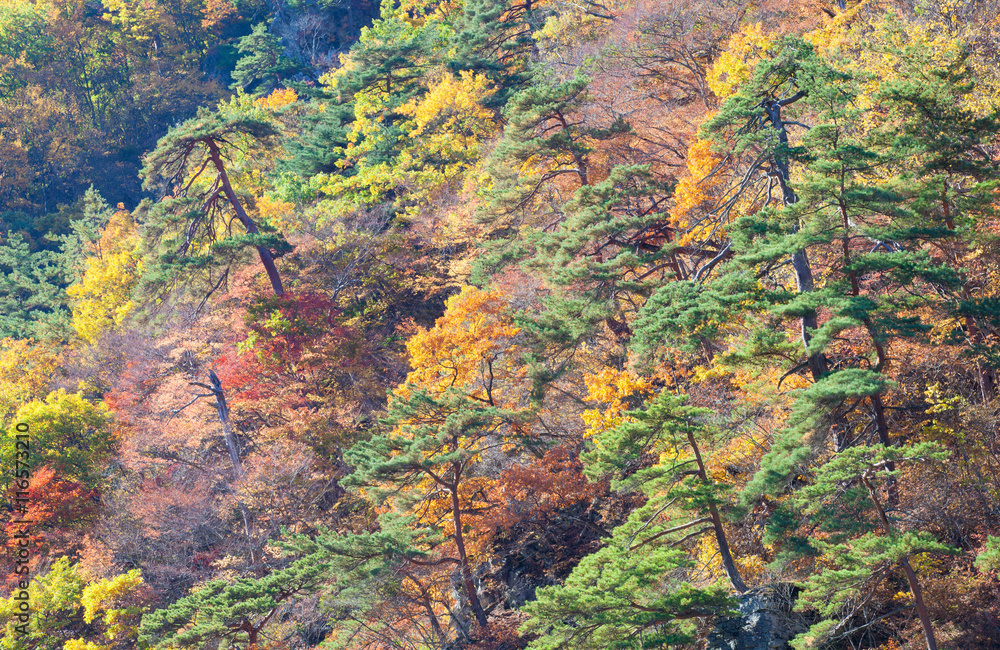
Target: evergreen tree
(391, 55)
(192, 229)
(263, 66)
(612, 248)
(234, 610)
(841, 207)
(543, 126)
(634, 592)
(321, 141)
(435, 444)
(858, 543)
(949, 185)
(494, 39)
(33, 301)
(84, 233)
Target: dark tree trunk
(266, 258)
(234, 457)
(720, 534)
(463, 558)
(817, 362)
(911, 576)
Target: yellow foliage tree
(101, 298)
(697, 193)
(440, 142)
(111, 597)
(736, 65)
(447, 126)
(278, 99)
(26, 370)
(615, 389)
(73, 611)
(465, 348)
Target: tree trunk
(463, 558)
(720, 534)
(234, 456)
(817, 362)
(883, 437)
(911, 576)
(265, 255)
(918, 599)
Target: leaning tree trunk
(234, 456)
(817, 362)
(463, 556)
(266, 258)
(720, 534)
(911, 576)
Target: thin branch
(193, 400)
(673, 530)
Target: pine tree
(633, 592)
(435, 447)
(263, 66)
(192, 228)
(494, 39)
(930, 119)
(234, 610)
(859, 544)
(840, 206)
(32, 292)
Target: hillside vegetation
(499, 325)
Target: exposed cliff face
(765, 622)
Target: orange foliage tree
(457, 410)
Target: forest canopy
(499, 325)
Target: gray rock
(765, 622)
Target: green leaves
(634, 592)
(263, 64)
(809, 421)
(184, 149)
(68, 610)
(68, 433)
(193, 230)
(32, 292)
(235, 610)
(661, 429)
(860, 544)
(617, 598)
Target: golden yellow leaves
(109, 596)
(279, 98)
(439, 144)
(751, 566)
(736, 65)
(101, 298)
(695, 189)
(110, 616)
(26, 369)
(613, 388)
(465, 348)
(448, 124)
(80, 644)
(280, 214)
(453, 105)
(418, 12)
